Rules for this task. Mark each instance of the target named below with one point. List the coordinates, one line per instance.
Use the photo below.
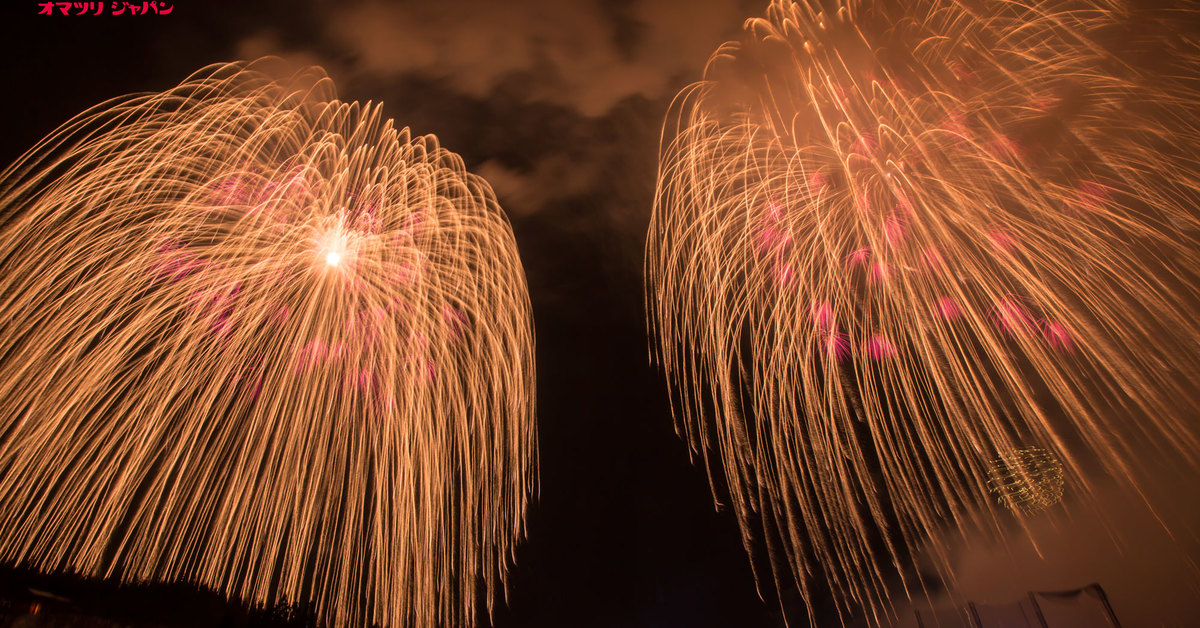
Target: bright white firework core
(333, 258)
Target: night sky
(559, 104)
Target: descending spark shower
(258, 339)
(893, 242)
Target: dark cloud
(592, 60)
(587, 56)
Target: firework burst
(1026, 480)
(257, 339)
(890, 239)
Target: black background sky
(559, 104)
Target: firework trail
(257, 339)
(893, 243)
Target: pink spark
(454, 319)
(251, 385)
(185, 265)
(365, 381)
(189, 265)
(956, 124)
(932, 257)
(858, 257)
(1057, 335)
(1092, 195)
(1005, 147)
(430, 371)
(770, 239)
(821, 313)
(783, 272)
(170, 244)
(816, 182)
(309, 354)
(176, 262)
(836, 345)
(367, 326)
(1002, 241)
(1011, 316)
(893, 229)
(948, 309)
(878, 347)
(220, 325)
(880, 272)
(233, 190)
(217, 306)
(361, 318)
(774, 210)
(412, 223)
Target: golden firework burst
(888, 238)
(256, 338)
